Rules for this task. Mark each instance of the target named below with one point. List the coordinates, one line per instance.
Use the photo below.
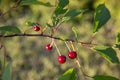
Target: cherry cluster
(61, 58)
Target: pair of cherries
(62, 58)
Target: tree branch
(44, 35)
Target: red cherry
(61, 59)
(72, 54)
(48, 47)
(36, 28)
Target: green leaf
(49, 25)
(9, 30)
(63, 38)
(7, 72)
(63, 3)
(35, 2)
(104, 77)
(68, 75)
(30, 23)
(60, 7)
(76, 31)
(117, 46)
(55, 21)
(102, 15)
(72, 13)
(108, 53)
(118, 38)
(59, 11)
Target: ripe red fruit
(72, 54)
(61, 59)
(36, 28)
(48, 47)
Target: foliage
(108, 53)
(7, 73)
(69, 75)
(102, 15)
(9, 30)
(31, 2)
(102, 77)
(62, 14)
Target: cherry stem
(44, 29)
(67, 46)
(73, 47)
(57, 48)
(52, 42)
(80, 67)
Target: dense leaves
(9, 30)
(108, 53)
(36, 2)
(69, 75)
(102, 15)
(7, 72)
(104, 77)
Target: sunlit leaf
(7, 72)
(72, 13)
(9, 30)
(108, 53)
(104, 77)
(68, 75)
(30, 23)
(63, 38)
(76, 31)
(102, 15)
(35, 2)
(118, 38)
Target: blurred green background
(30, 60)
